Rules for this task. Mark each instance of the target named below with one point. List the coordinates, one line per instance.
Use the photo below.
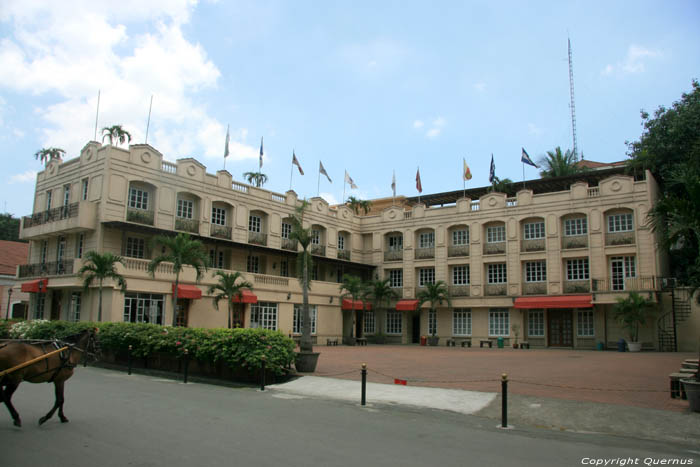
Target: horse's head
(86, 342)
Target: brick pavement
(634, 379)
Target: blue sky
(367, 87)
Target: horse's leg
(59, 388)
(58, 403)
(6, 394)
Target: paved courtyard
(634, 379)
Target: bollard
(187, 364)
(364, 384)
(130, 360)
(262, 374)
(504, 400)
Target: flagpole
(148, 124)
(344, 182)
(523, 175)
(318, 184)
(291, 172)
(464, 180)
(97, 113)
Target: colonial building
(550, 257)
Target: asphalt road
(120, 420)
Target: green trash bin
(500, 342)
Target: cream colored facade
(493, 251)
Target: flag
(419, 187)
(492, 173)
(261, 151)
(525, 159)
(466, 173)
(349, 180)
(296, 162)
(393, 183)
(323, 171)
(227, 140)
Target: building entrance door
(183, 308)
(415, 328)
(56, 298)
(561, 328)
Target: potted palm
(434, 294)
(632, 312)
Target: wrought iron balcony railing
(257, 238)
(51, 215)
(458, 250)
(187, 225)
(139, 216)
(393, 255)
(220, 231)
(55, 268)
(344, 254)
(425, 253)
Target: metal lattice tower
(573, 102)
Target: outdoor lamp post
(9, 300)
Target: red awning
(559, 301)
(246, 297)
(349, 304)
(407, 305)
(187, 291)
(35, 286)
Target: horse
(55, 369)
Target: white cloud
(433, 133)
(480, 86)
(435, 127)
(418, 124)
(28, 176)
(330, 198)
(634, 62)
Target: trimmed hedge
(237, 348)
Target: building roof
(12, 254)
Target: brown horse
(55, 369)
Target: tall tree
(9, 228)
(434, 294)
(356, 204)
(355, 288)
(181, 250)
(381, 294)
(304, 264)
(116, 133)
(46, 155)
(227, 288)
(99, 267)
(255, 178)
(502, 186)
(558, 164)
(669, 147)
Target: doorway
(415, 328)
(183, 308)
(560, 325)
(56, 297)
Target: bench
(333, 342)
(450, 342)
(524, 345)
(485, 341)
(467, 342)
(676, 386)
(361, 341)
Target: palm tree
(633, 311)
(356, 204)
(502, 186)
(257, 178)
(46, 155)
(181, 250)
(435, 294)
(558, 164)
(99, 267)
(356, 289)
(228, 289)
(116, 132)
(381, 294)
(304, 263)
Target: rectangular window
(535, 323)
(432, 322)
(44, 250)
(535, 271)
(66, 195)
(84, 189)
(254, 223)
(217, 259)
(460, 237)
(426, 276)
(341, 242)
(299, 321)
(426, 240)
(135, 247)
(577, 269)
(497, 273)
(585, 326)
(533, 230)
(462, 322)
(394, 321)
(253, 264)
(74, 307)
(370, 322)
(620, 223)
(315, 237)
(284, 268)
(143, 308)
(48, 200)
(499, 322)
(185, 207)
(138, 199)
(496, 234)
(630, 267)
(60, 249)
(286, 230)
(79, 246)
(575, 227)
(263, 315)
(218, 216)
(396, 278)
(395, 242)
(39, 305)
(314, 272)
(460, 275)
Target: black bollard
(130, 360)
(364, 384)
(504, 400)
(187, 364)
(262, 374)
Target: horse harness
(48, 346)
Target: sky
(374, 88)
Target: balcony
(535, 288)
(288, 244)
(494, 248)
(318, 250)
(459, 291)
(139, 216)
(532, 245)
(344, 254)
(393, 255)
(55, 268)
(257, 238)
(52, 215)
(425, 253)
(187, 225)
(578, 241)
(643, 283)
(619, 238)
(458, 250)
(220, 231)
(577, 286)
(70, 218)
(495, 289)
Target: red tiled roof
(12, 254)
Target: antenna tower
(573, 102)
